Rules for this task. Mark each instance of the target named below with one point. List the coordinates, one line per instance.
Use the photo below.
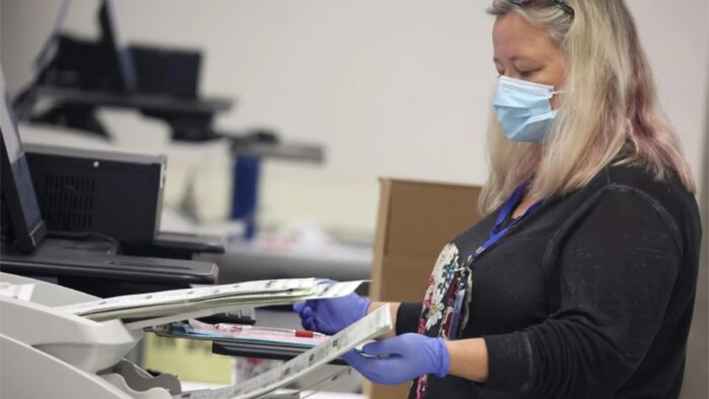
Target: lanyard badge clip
(460, 301)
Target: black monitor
(62, 57)
(46, 54)
(25, 225)
(111, 37)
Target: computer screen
(110, 29)
(16, 182)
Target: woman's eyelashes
(521, 74)
(528, 73)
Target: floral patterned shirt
(439, 302)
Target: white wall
(696, 383)
(397, 87)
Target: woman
(579, 282)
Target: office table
(256, 260)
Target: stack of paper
(372, 326)
(145, 310)
(246, 340)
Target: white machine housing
(50, 353)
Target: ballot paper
(250, 333)
(372, 326)
(144, 310)
(127, 302)
(271, 339)
(196, 309)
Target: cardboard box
(416, 220)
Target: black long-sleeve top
(590, 296)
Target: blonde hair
(609, 109)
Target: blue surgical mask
(523, 109)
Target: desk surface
(299, 152)
(252, 261)
(104, 274)
(136, 101)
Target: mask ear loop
(553, 93)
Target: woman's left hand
(400, 359)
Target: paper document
(251, 335)
(145, 310)
(206, 308)
(372, 326)
(189, 295)
(248, 333)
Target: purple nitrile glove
(331, 315)
(400, 359)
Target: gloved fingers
(312, 303)
(298, 307)
(307, 312)
(315, 326)
(308, 324)
(307, 317)
(374, 369)
(362, 308)
(354, 359)
(384, 347)
(303, 310)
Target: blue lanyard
(498, 231)
(496, 234)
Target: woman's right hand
(330, 316)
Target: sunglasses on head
(559, 3)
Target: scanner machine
(52, 354)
